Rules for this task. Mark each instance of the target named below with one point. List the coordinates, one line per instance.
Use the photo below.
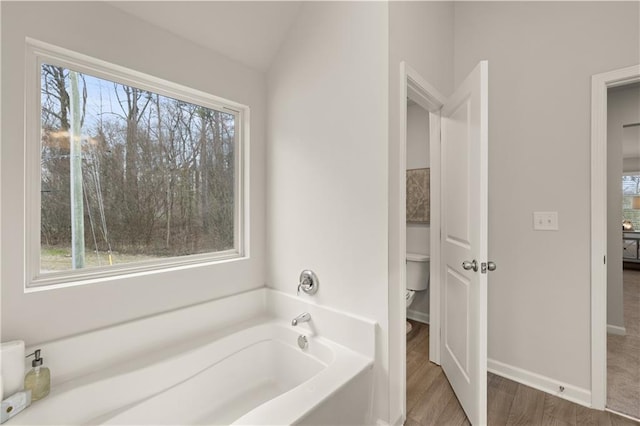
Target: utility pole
(77, 207)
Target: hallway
(623, 353)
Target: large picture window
(135, 173)
(631, 201)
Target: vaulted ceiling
(249, 32)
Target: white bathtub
(251, 373)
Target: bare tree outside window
(156, 174)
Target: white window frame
(37, 53)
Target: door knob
(467, 266)
(484, 266)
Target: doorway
(423, 376)
(606, 240)
(623, 277)
(416, 93)
(458, 130)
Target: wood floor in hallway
(623, 352)
(431, 401)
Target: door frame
(600, 83)
(413, 86)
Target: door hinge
(604, 259)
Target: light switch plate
(545, 221)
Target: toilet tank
(417, 271)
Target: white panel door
(464, 239)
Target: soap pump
(38, 379)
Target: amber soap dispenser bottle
(38, 379)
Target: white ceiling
(631, 142)
(249, 32)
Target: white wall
(104, 32)
(541, 58)
(623, 107)
(327, 162)
(418, 235)
(631, 138)
(420, 33)
(417, 158)
(631, 164)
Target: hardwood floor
(623, 353)
(431, 401)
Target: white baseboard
(418, 316)
(618, 413)
(614, 329)
(545, 384)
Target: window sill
(64, 279)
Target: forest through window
(128, 175)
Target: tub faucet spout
(304, 317)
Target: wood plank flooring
(623, 353)
(431, 401)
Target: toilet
(417, 277)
